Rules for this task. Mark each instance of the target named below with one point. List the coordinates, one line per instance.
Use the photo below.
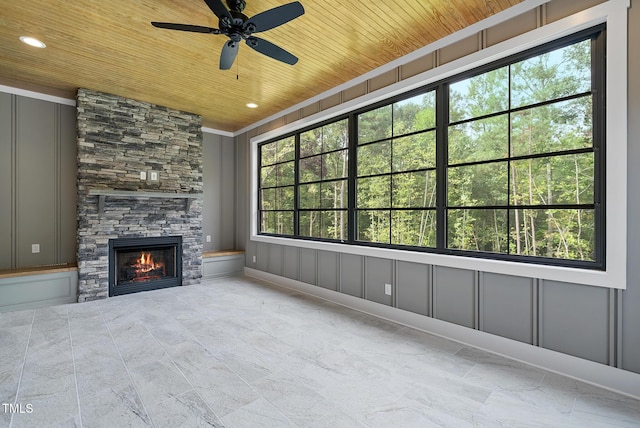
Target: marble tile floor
(239, 353)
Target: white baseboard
(617, 380)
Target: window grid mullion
(296, 187)
(509, 161)
(351, 199)
(442, 130)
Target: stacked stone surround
(117, 139)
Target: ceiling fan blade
(218, 8)
(186, 27)
(274, 17)
(228, 55)
(271, 50)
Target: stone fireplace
(139, 176)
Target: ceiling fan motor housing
(236, 5)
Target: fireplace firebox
(142, 264)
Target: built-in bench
(222, 263)
(38, 286)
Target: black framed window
(277, 186)
(505, 161)
(521, 157)
(396, 173)
(323, 187)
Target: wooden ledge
(38, 270)
(221, 253)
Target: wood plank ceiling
(110, 46)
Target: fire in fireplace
(142, 264)
(138, 266)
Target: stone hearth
(119, 138)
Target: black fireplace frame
(148, 243)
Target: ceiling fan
(237, 26)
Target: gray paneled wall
(454, 295)
(219, 188)
(575, 320)
(520, 293)
(37, 182)
(7, 144)
(594, 323)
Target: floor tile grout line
(232, 370)
(221, 362)
(133, 384)
(24, 362)
(164, 349)
(75, 373)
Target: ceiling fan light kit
(237, 27)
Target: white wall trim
(70, 102)
(217, 132)
(617, 380)
(493, 20)
(614, 13)
(37, 95)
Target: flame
(146, 268)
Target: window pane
(268, 176)
(374, 125)
(278, 222)
(286, 174)
(286, 149)
(478, 185)
(324, 224)
(285, 198)
(479, 140)
(310, 169)
(480, 95)
(268, 222)
(416, 228)
(268, 199)
(554, 127)
(309, 195)
(555, 180)
(373, 226)
(284, 222)
(335, 165)
(477, 230)
(335, 136)
(309, 223)
(268, 153)
(556, 233)
(414, 114)
(374, 192)
(311, 142)
(334, 225)
(565, 71)
(334, 194)
(414, 189)
(414, 152)
(374, 158)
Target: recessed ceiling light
(32, 42)
(252, 105)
